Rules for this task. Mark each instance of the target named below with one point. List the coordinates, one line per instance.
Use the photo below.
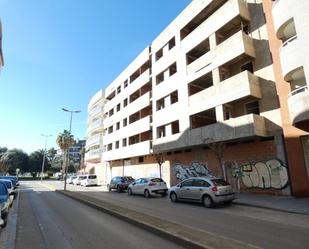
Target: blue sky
(59, 53)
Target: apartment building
(1, 54)
(93, 149)
(202, 100)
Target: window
(171, 43)
(111, 112)
(187, 183)
(125, 102)
(175, 127)
(159, 78)
(161, 131)
(118, 89)
(124, 142)
(125, 122)
(125, 84)
(248, 66)
(117, 145)
(118, 107)
(110, 129)
(227, 112)
(173, 69)
(253, 107)
(117, 125)
(141, 159)
(200, 183)
(159, 54)
(160, 104)
(174, 97)
(109, 147)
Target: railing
(299, 90)
(288, 41)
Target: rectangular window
(111, 112)
(175, 127)
(125, 102)
(117, 145)
(109, 147)
(110, 129)
(117, 125)
(125, 122)
(159, 54)
(159, 78)
(140, 159)
(124, 142)
(174, 97)
(118, 89)
(160, 104)
(118, 107)
(161, 131)
(171, 43)
(173, 69)
(125, 84)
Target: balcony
(93, 155)
(139, 149)
(239, 86)
(96, 125)
(234, 47)
(229, 11)
(298, 102)
(236, 129)
(291, 54)
(283, 11)
(93, 140)
(96, 111)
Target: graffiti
(263, 175)
(183, 172)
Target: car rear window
(156, 180)
(3, 189)
(219, 182)
(92, 177)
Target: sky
(59, 53)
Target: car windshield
(92, 177)
(219, 182)
(3, 189)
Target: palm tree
(65, 140)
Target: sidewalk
(279, 203)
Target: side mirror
(133, 183)
(179, 185)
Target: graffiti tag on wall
(183, 172)
(263, 175)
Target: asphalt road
(50, 220)
(257, 226)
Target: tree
(218, 149)
(160, 160)
(35, 162)
(12, 160)
(65, 140)
(51, 154)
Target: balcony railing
(288, 41)
(299, 90)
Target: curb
(270, 208)
(183, 235)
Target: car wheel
(130, 191)
(118, 189)
(207, 201)
(146, 193)
(5, 221)
(109, 187)
(173, 197)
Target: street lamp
(43, 163)
(66, 159)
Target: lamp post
(43, 163)
(67, 157)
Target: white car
(78, 179)
(89, 180)
(148, 187)
(70, 179)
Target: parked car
(14, 180)
(120, 183)
(208, 191)
(89, 180)
(70, 179)
(11, 190)
(4, 204)
(78, 179)
(148, 187)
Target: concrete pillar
(168, 130)
(167, 101)
(215, 76)
(166, 74)
(212, 41)
(219, 113)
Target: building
(202, 99)
(93, 152)
(1, 54)
(76, 153)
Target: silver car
(148, 187)
(208, 191)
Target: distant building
(225, 77)
(76, 153)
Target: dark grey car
(120, 183)
(208, 191)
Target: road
(50, 220)
(258, 226)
